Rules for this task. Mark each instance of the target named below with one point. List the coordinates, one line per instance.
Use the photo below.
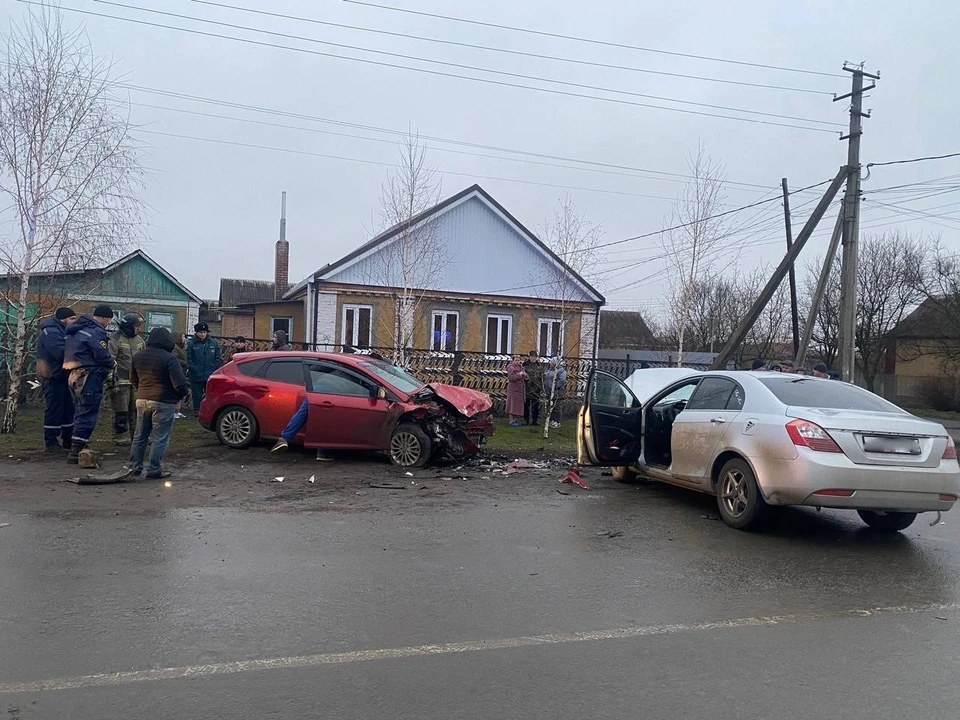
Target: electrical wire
(474, 176)
(521, 53)
(913, 160)
(461, 66)
(379, 63)
(604, 43)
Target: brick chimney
(281, 262)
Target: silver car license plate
(894, 445)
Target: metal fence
(476, 370)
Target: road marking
(345, 658)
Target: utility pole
(851, 222)
(793, 273)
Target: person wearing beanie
(58, 413)
(758, 365)
(240, 345)
(160, 384)
(203, 358)
(126, 341)
(88, 360)
(820, 371)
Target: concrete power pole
(851, 222)
(794, 319)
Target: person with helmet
(89, 362)
(124, 344)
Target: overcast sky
(215, 207)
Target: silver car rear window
(833, 394)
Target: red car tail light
(950, 451)
(835, 492)
(810, 435)
(947, 497)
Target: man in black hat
(88, 359)
(158, 377)
(203, 358)
(58, 413)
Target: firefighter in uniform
(124, 344)
(87, 358)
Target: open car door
(610, 426)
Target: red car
(356, 401)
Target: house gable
(487, 253)
(137, 275)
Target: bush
(941, 393)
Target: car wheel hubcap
(405, 448)
(235, 427)
(734, 493)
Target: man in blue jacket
(203, 358)
(58, 414)
(88, 359)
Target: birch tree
(408, 266)
(575, 241)
(689, 247)
(68, 167)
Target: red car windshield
(397, 377)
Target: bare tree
(574, 240)
(891, 276)
(941, 316)
(409, 264)
(689, 247)
(67, 163)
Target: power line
(914, 160)
(462, 66)
(592, 41)
(439, 73)
(392, 165)
(521, 53)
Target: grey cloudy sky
(215, 206)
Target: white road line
(310, 661)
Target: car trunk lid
(877, 438)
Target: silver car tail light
(804, 433)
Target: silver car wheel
(235, 427)
(734, 493)
(405, 449)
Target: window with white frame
(357, 330)
(281, 323)
(499, 334)
(446, 325)
(549, 337)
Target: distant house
(134, 283)
(923, 352)
(490, 297)
(625, 329)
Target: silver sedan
(756, 439)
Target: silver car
(756, 439)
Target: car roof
(349, 358)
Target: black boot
(74, 457)
(120, 429)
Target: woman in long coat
(516, 391)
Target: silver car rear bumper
(875, 487)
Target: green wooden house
(134, 283)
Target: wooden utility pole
(851, 222)
(773, 283)
(793, 273)
(818, 293)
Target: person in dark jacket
(203, 358)
(58, 413)
(160, 384)
(88, 360)
(280, 341)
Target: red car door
(345, 409)
(277, 392)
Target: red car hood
(467, 402)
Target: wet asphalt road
(471, 605)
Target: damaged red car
(357, 402)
